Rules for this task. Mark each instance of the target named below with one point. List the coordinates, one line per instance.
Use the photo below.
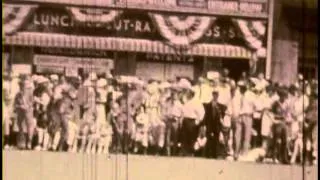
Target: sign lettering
(127, 25)
(47, 19)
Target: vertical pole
(269, 38)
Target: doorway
(236, 67)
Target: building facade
(295, 40)
(55, 37)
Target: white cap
(54, 77)
(212, 75)
(35, 78)
(241, 83)
(165, 85)
(184, 83)
(254, 80)
(102, 82)
(300, 77)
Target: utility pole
(269, 38)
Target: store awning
(123, 44)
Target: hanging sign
(73, 62)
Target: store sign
(74, 52)
(72, 62)
(128, 25)
(237, 6)
(225, 6)
(49, 69)
(168, 58)
(193, 3)
(21, 68)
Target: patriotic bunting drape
(14, 16)
(178, 31)
(182, 31)
(253, 33)
(94, 15)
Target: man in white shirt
(173, 116)
(224, 91)
(193, 113)
(242, 109)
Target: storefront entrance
(236, 67)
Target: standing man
(212, 122)
(173, 121)
(242, 110)
(24, 108)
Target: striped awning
(122, 44)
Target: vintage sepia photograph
(160, 89)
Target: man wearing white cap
(24, 108)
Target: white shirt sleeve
(200, 112)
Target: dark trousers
(257, 140)
(172, 128)
(213, 145)
(189, 136)
(279, 142)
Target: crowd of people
(251, 119)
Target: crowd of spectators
(251, 119)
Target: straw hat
(42, 79)
(185, 84)
(165, 85)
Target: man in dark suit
(212, 117)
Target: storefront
(58, 39)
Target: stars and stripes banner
(93, 15)
(182, 31)
(14, 16)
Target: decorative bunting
(254, 41)
(182, 31)
(93, 15)
(14, 16)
